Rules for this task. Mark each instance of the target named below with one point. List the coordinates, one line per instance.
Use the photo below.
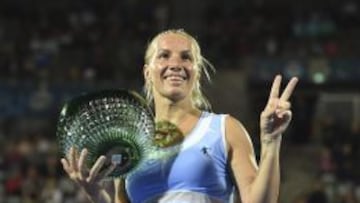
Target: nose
(175, 67)
(175, 63)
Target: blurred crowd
(48, 45)
(338, 169)
(90, 40)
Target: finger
(289, 89)
(120, 182)
(96, 168)
(70, 157)
(284, 114)
(107, 171)
(275, 88)
(81, 162)
(271, 106)
(66, 166)
(284, 105)
(285, 117)
(73, 159)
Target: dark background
(51, 51)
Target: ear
(146, 72)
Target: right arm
(89, 180)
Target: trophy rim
(73, 105)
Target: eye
(163, 55)
(186, 56)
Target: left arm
(260, 183)
(256, 183)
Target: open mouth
(179, 75)
(175, 77)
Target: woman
(216, 155)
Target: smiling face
(171, 69)
(171, 47)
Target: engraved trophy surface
(114, 123)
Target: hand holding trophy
(113, 129)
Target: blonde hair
(201, 64)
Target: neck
(174, 112)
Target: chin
(176, 94)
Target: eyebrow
(167, 50)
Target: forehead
(174, 42)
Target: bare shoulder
(236, 134)
(240, 149)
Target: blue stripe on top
(199, 167)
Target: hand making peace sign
(277, 115)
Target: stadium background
(53, 50)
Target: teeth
(175, 77)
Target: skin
(172, 74)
